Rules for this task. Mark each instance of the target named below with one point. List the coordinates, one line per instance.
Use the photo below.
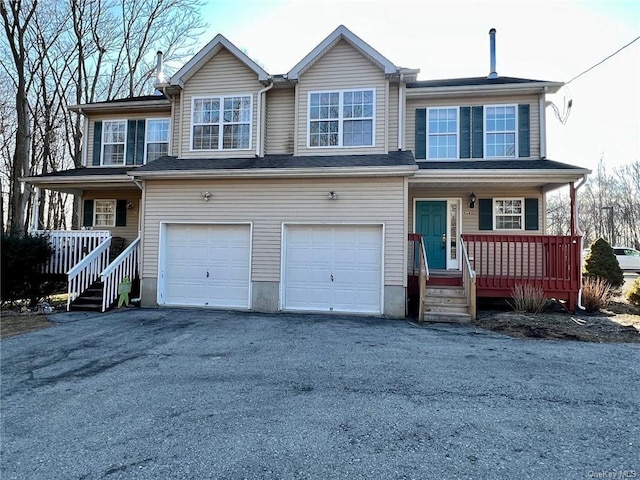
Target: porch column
(574, 209)
(36, 208)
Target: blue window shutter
(524, 130)
(485, 214)
(421, 133)
(130, 153)
(477, 125)
(97, 143)
(121, 213)
(87, 218)
(465, 132)
(531, 214)
(140, 142)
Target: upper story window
(156, 138)
(500, 131)
(114, 137)
(104, 212)
(442, 135)
(508, 213)
(221, 123)
(342, 118)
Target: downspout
(36, 208)
(543, 124)
(259, 119)
(574, 226)
(400, 112)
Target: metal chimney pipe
(159, 72)
(492, 53)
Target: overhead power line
(604, 60)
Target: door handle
(444, 240)
(332, 277)
(207, 274)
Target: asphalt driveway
(195, 394)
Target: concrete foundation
(149, 292)
(394, 301)
(265, 296)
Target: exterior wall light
(205, 196)
(472, 200)
(333, 195)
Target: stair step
(445, 292)
(435, 308)
(447, 317)
(93, 307)
(445, 300)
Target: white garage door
(206, 265)
(333, 268)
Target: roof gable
(207, 53)
(342, 33)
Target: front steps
(89, 300)
(446, 304)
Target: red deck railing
(502, 261)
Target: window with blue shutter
(421, 133)
(97, 143)
(524, 133)
(87, 217)
(465, 132)
(477, 139)
(531, 214)
(485, 214)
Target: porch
(95, 263)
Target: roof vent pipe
(159, 73)
(492, 53)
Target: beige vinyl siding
(130, 231)
(532, 100)
(269, 203)
(342, 67)
(469, 216)
(280, 121)
(117, 116)
(224, 74)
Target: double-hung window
(114, 138)
(508, 213)
(342, 118)
(442, 134)
(221, 123)
(104, 213)
(156, 138)
(500, 131)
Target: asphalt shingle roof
(462, 82)
(497, 165)
(84, 171)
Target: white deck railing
(125, 264)
(468, 280)
(70, 247)
(87, 271)
(423, 279)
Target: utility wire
(604, 60)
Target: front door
(431, 222)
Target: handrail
(422, 279)
(125, 264)
(468, 280)
(81, 276)
(69, 247)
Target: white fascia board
(352, 38)
(506, 176)
(536, 87)
(115, 107)
(281, 172)
(111, 179)
(193, 65)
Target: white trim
(162, 257)
(485, 132)
(146, 131)
(221, 123)
(102, 143)
(457, 155)
(511, 88)
(495, 214)
(450, 264)
(95, 211)
(341, 118)
(346, 34)
(209, 51)
(283, 245)
(85, 142)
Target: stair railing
(87, 271)
(125, 264)
(423, 277)
(468, 280)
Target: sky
(544, 40)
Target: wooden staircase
(90, 299)
(445, 299)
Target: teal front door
(431, 222)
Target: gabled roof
(342, 33)
(204, 55)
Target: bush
(633, 294)
(23, 259)
(596, 293)
(528, 298)
(602, 262)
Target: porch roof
(400, 163)
(75, 180)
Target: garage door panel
(340, 270)
(207, 265)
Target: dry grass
(528, 298)
(596, 294)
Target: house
(344, 185)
